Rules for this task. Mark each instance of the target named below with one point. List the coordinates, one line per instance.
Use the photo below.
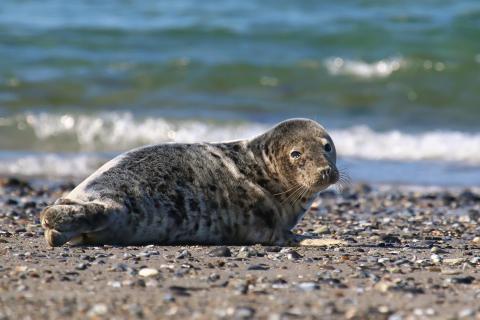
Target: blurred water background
(396, 82)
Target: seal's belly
(205, 221)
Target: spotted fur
(240, 192)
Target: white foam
(362, 142)
(361, 69)
(119, 131)
(116, 132)
(49, 164)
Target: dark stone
(220, 252)
(462, 280)
(258, 267)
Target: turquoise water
(83, 80)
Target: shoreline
(408, 254)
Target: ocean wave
(118, 131)
(361, 69)
(365, 143)
(75, 165)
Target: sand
(378, 253)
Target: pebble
(466, 313)
(454, 261)
(436, 259)
(322, 230)
(119, 267)
(461, 280)
(98, 309)
(258, 267)
(246, 252)
(308, 286)
(168, 297)
(220, 252)
(148, 272)
(398, 242)
(243, 313)
(183, 254)
(213, 277)
(114, 284)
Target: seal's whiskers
(288, 190)
(293, 194)
(344, 180)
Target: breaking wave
(74, 145)
(361, 69)
(117, 131)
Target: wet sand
(406, 254)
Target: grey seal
(240, 192)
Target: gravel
(386, 252)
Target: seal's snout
(325, 172)
(328, 174)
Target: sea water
(397, 83)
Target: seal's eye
(295, 154)
(327, 147)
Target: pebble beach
(395, 83)
(386, 252)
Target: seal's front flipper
(67, 220)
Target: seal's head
(299, 152)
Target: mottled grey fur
(240, 192)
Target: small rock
(119, 267)
(384, 309)
(11, 202)
(99, 309)
(451, 271)
(466, 313)
(168, 297)
(462, 280)
(435, 250)
(241, 288)
(291, 254)
(322, 230)
(390, 238)
(114, 284)
(183, 254)
(308, 286)
(244, 313)
(136, 311)
(258, 267)
(436, 259)
(140, 283)
(454, 261)
(220, 252)
(152, 283)
(148, 272)
(474, 260)
(322, 242)
(81, 266)
(213, 277)
(279, 283)
(246, 252)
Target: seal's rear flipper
(67, 220)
